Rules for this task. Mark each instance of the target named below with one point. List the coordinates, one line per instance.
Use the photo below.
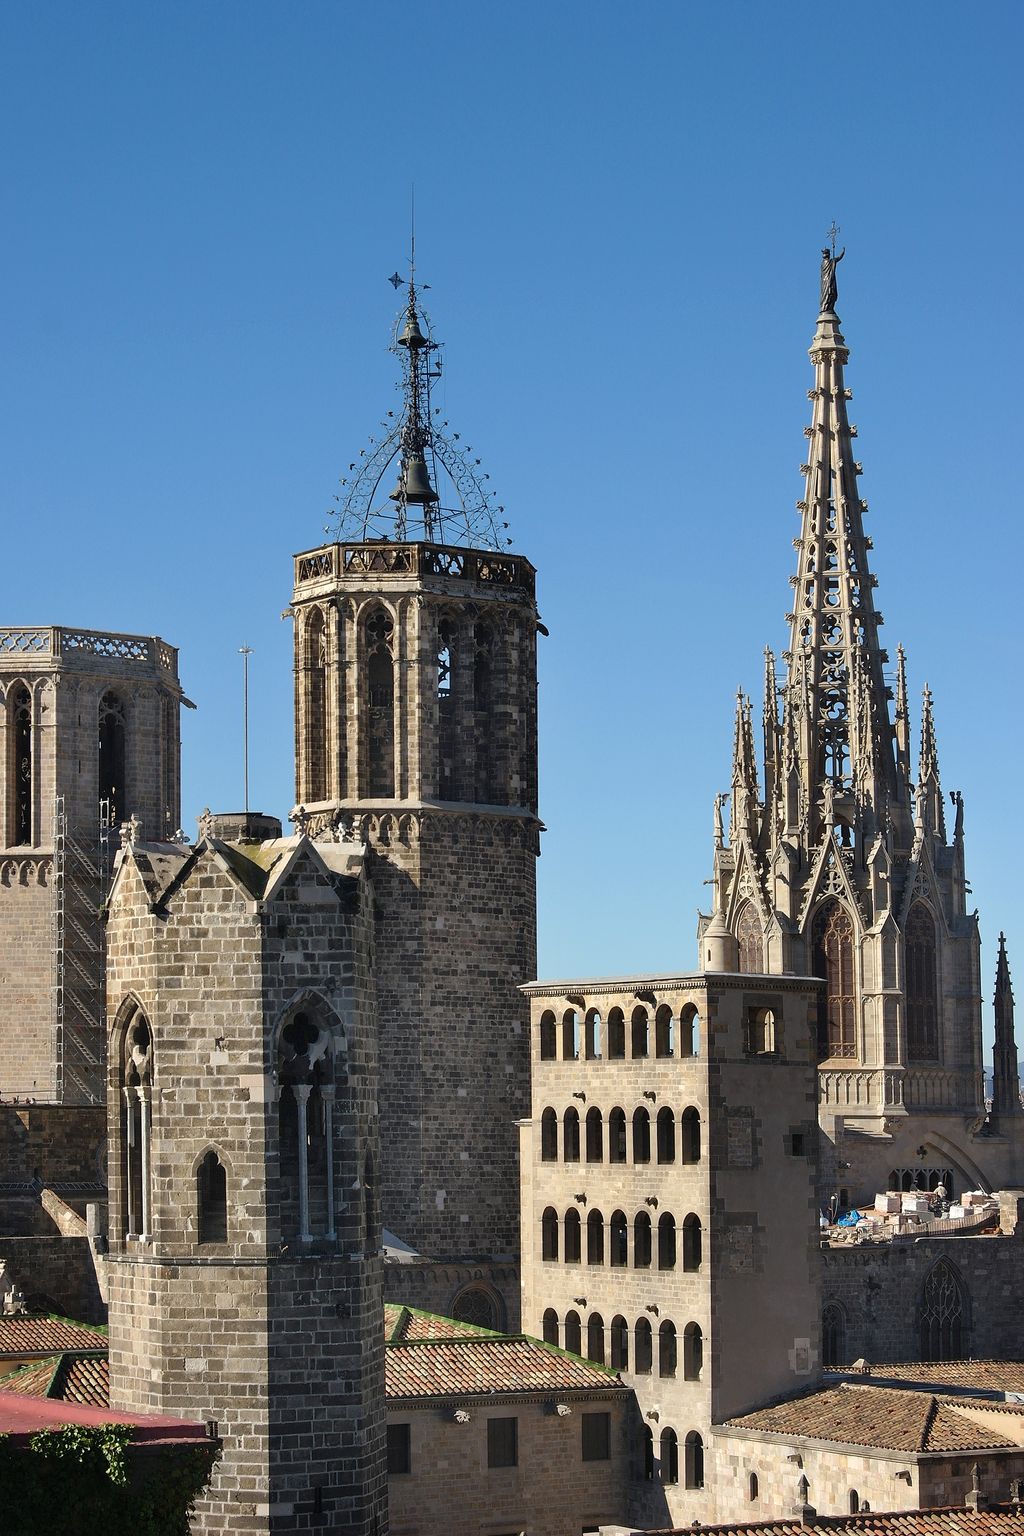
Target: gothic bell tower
(842, 867)
(416, 735)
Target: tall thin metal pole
(245, 651)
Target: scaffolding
(80, 880)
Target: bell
(414, 485)
(411, 335)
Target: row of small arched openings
(617, 1352)
(588, 1036)
(667, 1468)
(686, 1148)
(613, 1239)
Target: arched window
(378, 635)
(592, 1035)
(570, 1035)
(595, 1136)
(618, 1238)
(642, 1241)
(648, 1454)
(136, 1113)
(669, 1457)
(667, 1349)
(620, 1344)
(666, 1136)
(486, 790)
(854, 1502)
(693, 1352)
(922, 990)
(447, 718)
(640, 1029)
(617, 1136)
(689, 1031)
(692, 1254)
(212, 1199)
(550, 1326)
(694, 1451)
(305, 1072)
(595, 1338)
(22, 735)
(573, 1236)
(750, 938)
(571, 1136)
(549, 1136)
(616, 1035)
(752, 1488)
(833, 959)
(664, 1031)
(573, 1333)
(943, 1314)
(548, 1037)
(643, 1347)
(595, 1238)
(759, 1032)
(689, 1148)
(833, 1336)
(666, 1241)
(111, 770)
(641, 1136)
(314, 659)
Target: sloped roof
(67, 1378)
(258, 868)
(406, 1324)
(488, 1365)
(997, 1520)
(47, 1336)
(885, 1418)
(953, 1375)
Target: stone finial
(205, 823)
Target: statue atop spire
(829, 262)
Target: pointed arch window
(305, 1073)
(833, 959)
(136, 1127)
(446, 706)
(922, 989)
(944, 1319)
(212, 1199)
(22, 736)
(833, 1336)
(378, 635)
(750, 938)
(112, 757)
(315, 667)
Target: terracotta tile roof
(69, 1378)
(403, 1324)
(953, 1375)
(997, 1520)
(486, 1364)
(46, 1336)
(887, 1418)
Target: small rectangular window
(597, 1436)
(502, 1442)
(798, 1144)
(399, 1448)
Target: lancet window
(21, 727)
(922, 989)
(833, 959)
(305, 1070)
(833, 1336)
(136, 1127)
(378, 634)
(485, 790)
(943, 1314)
(447, 734)
(212, 1199)
(750, 938)
(112, 735)
(315, 666)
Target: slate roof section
(67, 1378)
(884, 1418)
(47, 1336)
(997, 1520)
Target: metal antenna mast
(245, 651)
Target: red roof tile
(997, 1520)
(953, 1375)
(405, 1323)
(69, 1378)
(887, 1418)
(488, 1364)
(46, 1336)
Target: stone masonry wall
(27, 1062)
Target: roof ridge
(929, 1420)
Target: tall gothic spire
(1005, 1079)
(931, 813)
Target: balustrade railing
(336, 560)
(59, 644)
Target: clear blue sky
(620, 211)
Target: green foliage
(88, 1480)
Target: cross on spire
(833, 230)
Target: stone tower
(842, 866)
(244, 1271)
(89, 736)
(416, 733)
